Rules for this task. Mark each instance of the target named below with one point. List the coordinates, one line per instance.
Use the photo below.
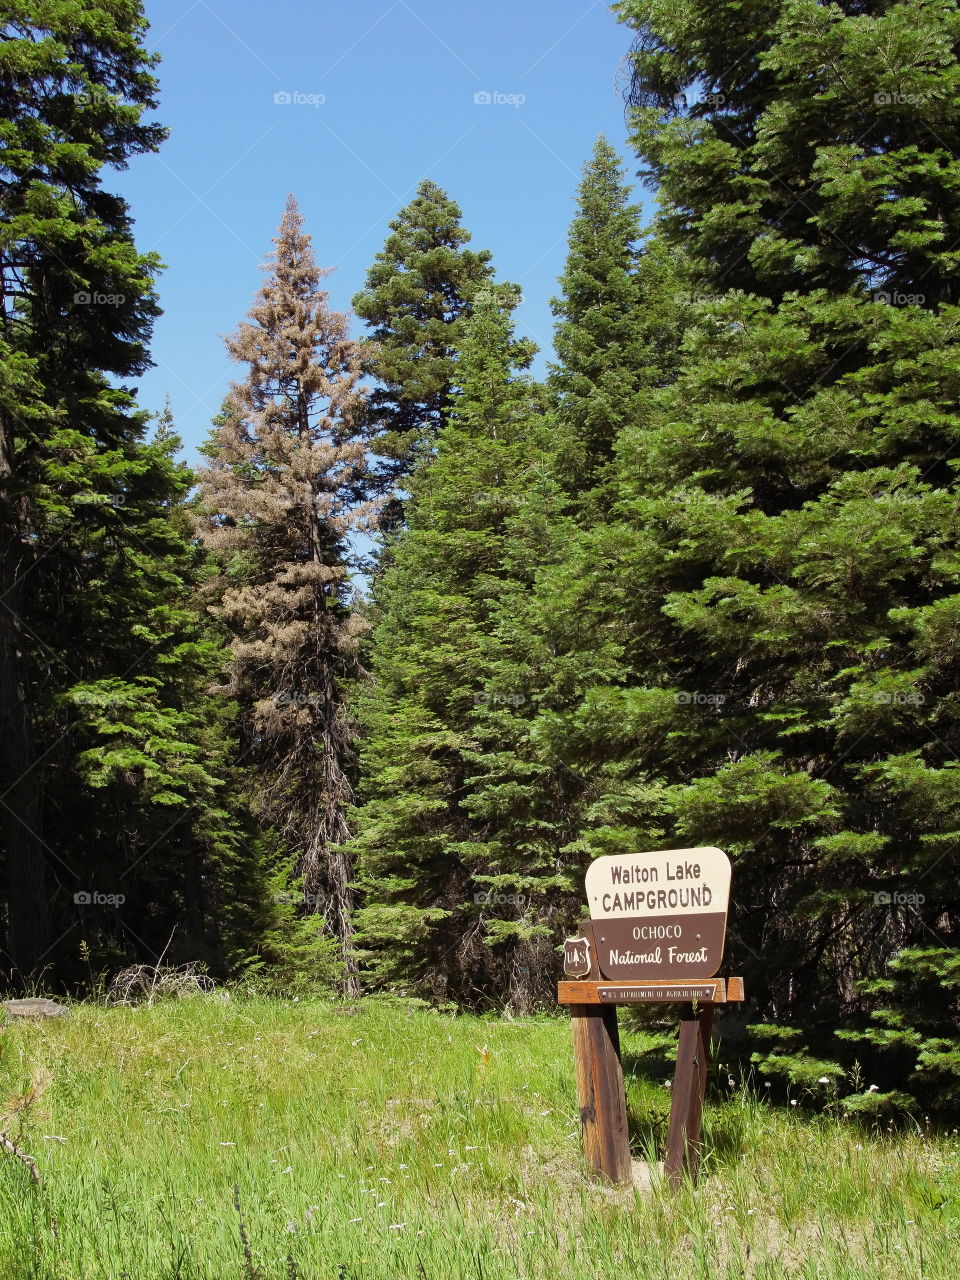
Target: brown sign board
(659, 916)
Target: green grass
(380, 1142)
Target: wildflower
(793, 1102)
(824, 1080)
(874, 1088)
(397, 1226)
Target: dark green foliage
(456, 808)
(112, 771)
(150, 806)
(602, 356)
(415, 301)
(789, 516)
(912, 1037)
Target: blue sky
(382, 93)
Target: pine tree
(447, 820)
(281, 496)
(416, 299)
(147, 802)
(77, 308)
(602, 356)
(788, 522)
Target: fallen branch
(7, 1144)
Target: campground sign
(655, 935)
(660, 915)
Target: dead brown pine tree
(280, 497)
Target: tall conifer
(789, 530)
(415, 300)
(435, 839)
(281, 496)
(95, 712)
(602, 356)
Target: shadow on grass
(647, 1076)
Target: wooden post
(596, 1049)
(689, 1089)
(600, 1090)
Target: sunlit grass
(374, 1141)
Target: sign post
(656, 935)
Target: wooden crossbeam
(706, 991)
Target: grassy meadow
(253, 1139)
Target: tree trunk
(28, 902)
(340, 872)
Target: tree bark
(28, 902)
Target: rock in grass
(34, 1008)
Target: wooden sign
(659, 916)
(656, 934)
